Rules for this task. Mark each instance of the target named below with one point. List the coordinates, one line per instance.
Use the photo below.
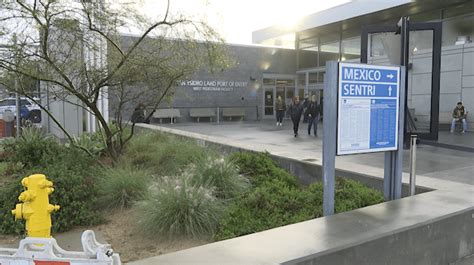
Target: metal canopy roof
(354, 15)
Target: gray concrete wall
(438, 242)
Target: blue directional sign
(368, 102)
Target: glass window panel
(329, 48)
(309, 44)
(321, 77)
(268, 82)
(313, 78)
(301, 80)
(280, 92)
(285, 82)
(289, 92)
(419, 91)
(350, 48)
(301, 93)
(307, 59)
(376, 45)
(421, 41)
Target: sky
(235, 20)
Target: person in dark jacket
(305, 105)
(295, 110)
(459, 114)
(280, 110)
(138, 115)
(312, 111)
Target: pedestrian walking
(312, 111)
(305, 105)
(295, 110)
(280, 110)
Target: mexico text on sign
(368, 102)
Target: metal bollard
(413, 164)
(218, 114)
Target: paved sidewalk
(432, 161)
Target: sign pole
(393, 165)
(329, 136)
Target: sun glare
(236, 19)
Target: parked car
(28, 109)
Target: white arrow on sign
(389, 91)
(390, 76)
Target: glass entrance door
(269, 102)
(275, 87)
(380, 45)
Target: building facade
(335, 34)
(250, 84)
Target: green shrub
(350, 195)
(9, 192)
(163, 155)
(120, 187)
(276, 200)
(146, 142)
(73, 172)
(30, 148)
(176, 207)
(3, 168)
(272, 204)
(93, 143)
(260, 168)
(220, 174)
(75, 175)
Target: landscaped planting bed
(164, 193)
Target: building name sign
(212, 85)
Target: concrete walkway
(432, 161)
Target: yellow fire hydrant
(35, 208)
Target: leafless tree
(62, 43)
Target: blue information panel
(368, 100)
